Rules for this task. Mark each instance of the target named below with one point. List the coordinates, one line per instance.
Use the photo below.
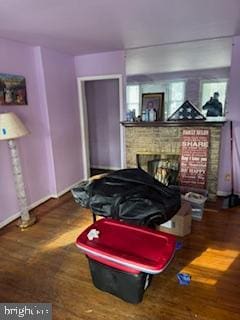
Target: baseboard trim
(105, 167)
(37, 203)
(9, 220)
(59, 194)
(17, 215)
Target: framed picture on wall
(154, 101)
(12, 90)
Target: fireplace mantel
(182, 123)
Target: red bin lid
(135, 247)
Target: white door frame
(84, 119)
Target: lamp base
(28, 223)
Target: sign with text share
(194, 158)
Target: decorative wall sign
(12, 90)
(187, 111)
(194, 158)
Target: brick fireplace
(165, 140)
(164, 167)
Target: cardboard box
(180, 224)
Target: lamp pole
(18, 179)
(12, 128)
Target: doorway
(101, 110)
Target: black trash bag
(81, 193)
(134, 196)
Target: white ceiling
(86, 26)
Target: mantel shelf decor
(181, 123)
(11, 128)
(187, 111)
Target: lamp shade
(11, 127)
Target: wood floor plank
(42, 264)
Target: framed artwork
(12, 90)
(155, 101)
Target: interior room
(120, 159)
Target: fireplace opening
(164, 167)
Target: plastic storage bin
(197, 204)
(123, 258)
(125, 285)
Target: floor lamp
(11, 128)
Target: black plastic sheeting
(131, 195)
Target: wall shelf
(182, 123)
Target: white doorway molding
(84, 119)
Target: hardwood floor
(42, 264)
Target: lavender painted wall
(100, 64)
(50, 155)
(61, 95)
(103, 123)
(19, 59)
(44, 107)
(224, 172)
(234, 115)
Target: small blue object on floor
(184, 279)
(179, 245)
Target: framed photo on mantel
(154, 101)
